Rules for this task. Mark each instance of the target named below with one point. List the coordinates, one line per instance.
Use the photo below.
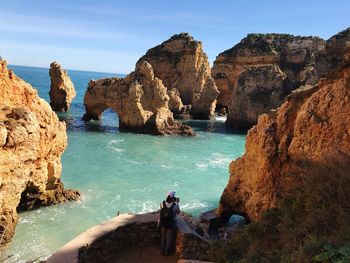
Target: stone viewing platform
(129, 236)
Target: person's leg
(173, 249)
(169, 241)
(163, 237)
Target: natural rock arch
(139, 99)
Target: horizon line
(68, 69)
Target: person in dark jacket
(167, 221)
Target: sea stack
(62, 90)
(184, 69)
(140, 100)
(257, 74)
(32, 140)
(308, 133)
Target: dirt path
(149, 254)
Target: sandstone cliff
(184, 68)
(336, 55)
(311, 129)
(32, 141)
(140, 100)
(258, 73)
(62, 90)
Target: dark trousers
(167, 240)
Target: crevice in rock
(29, 198)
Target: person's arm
(177, 209)
(160, 206)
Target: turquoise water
(123, 172)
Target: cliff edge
(257, 74)
(32, 140)
(311, 129)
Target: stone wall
(103, 242)
(130, 235)
(189, 244)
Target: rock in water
(310, 130)
(183, 66)
(62, 90)
(32, 140)
(140, 100)
(257, 74)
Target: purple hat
(171, 194)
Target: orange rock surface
(257, 74)
(182, 65)
(311, 129)
(32, 140)
(140, 100)
(62, 90)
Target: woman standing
(167, 221)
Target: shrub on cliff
(311, 225)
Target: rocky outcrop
(336, 55)
(184, 69)
(175, 103)
(310, 130)
(257, 74)
(32, 141)
(140, 100)
(62, 90)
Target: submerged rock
(140, 100)
(62, 90)
(308, 132)
(32, 140)
(183, 66)
(257, 74)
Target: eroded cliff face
(184, 69)
(32, 141)
(310, 130)
(258, 73)
(62, 90)
(140, 100)
(336, 55)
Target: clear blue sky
(110, 36)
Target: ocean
(122, 172)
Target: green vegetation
(311, 225)
(331, 254)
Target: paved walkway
(148, 254)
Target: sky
(110, 36)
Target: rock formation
(184, 69)
(32, 141)
(336, 54)
(140, 100)
(258, 73)
(311, 129)
(62, 90)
